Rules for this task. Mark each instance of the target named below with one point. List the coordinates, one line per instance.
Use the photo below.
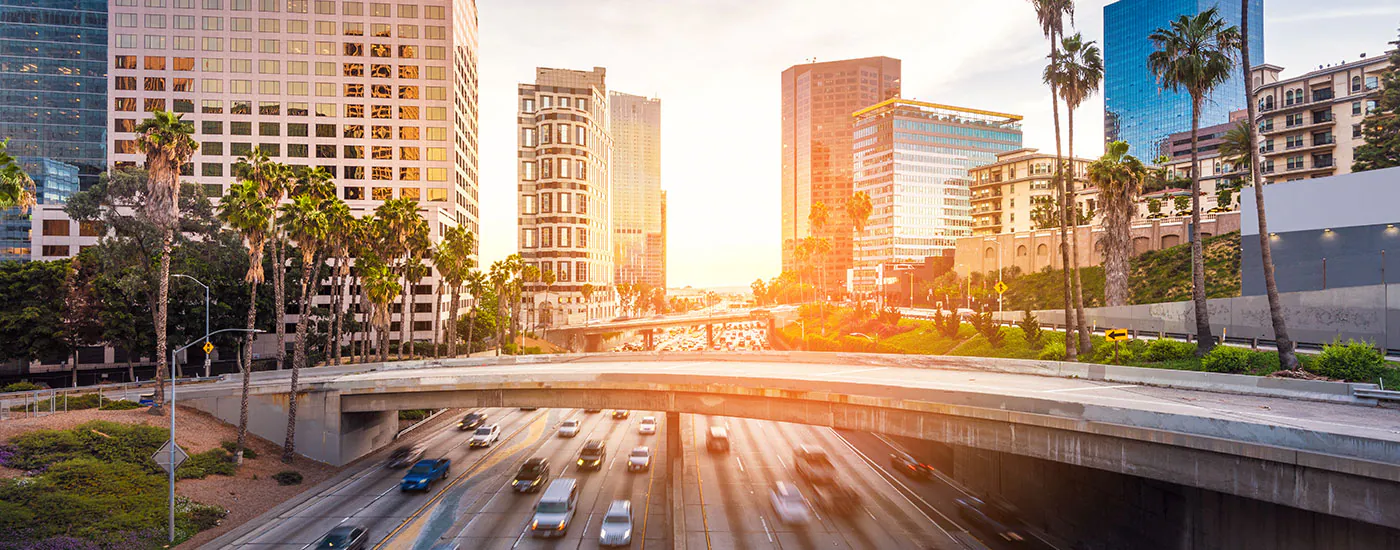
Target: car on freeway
(648, 426)
(592, 456)
(617, 524)
(472, 421)
(813, 464)
(345, 537)
(529, 408)
(836, 498)
(422, 475)
(717, 441)
(990, 518)
(910, 466)
(789, 504)
(555, 510)
(404, 457)
(485, 436)
(621, 415)
(592, 411)
(568, 428)
(533, 474)
(639, 459)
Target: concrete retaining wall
(324, 433)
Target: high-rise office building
(565, 148)
(913, 159)
(818, 101)
(636, 189)
(53, 102)
(383, 96)
(1136, 108)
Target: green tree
(1381, 127)
(246, 210)
(1118, 176)
(406, 240)
(31, 323)
(16, 189)
(477, 285)
(819, 216)
(1079, 69)
(453, 257)
(1196, 54)
(858, 209)
(381, 286)
(341, 227)
(1052, 14)
(166, 142)
(304, 220)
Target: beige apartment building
(1005, 193)
(1309, 125)
(565, 150)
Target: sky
(716, 66)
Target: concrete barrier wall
(324, 434)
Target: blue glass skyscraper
(1136, 108)
(53, 99)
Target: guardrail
(34, 398)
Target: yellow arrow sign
(1117, 334)
(1001, 287)
(208, 347)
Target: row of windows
(548, 203)
(550, 168)
(323, 7)
(567, 237)
(554, 133)
(296, 47)
(273, 108)
(527, 105)
(265, 26)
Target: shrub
(120, 405)
(21, 386)
(890, 316)
(207, 463)
(947, 325)
(232, 447)
(1169, 350)
(1353, 361)
(1227, 359)
(202, 516)
(288, 477)
(1030, 328)
(988, 328)
(1053, 351)
(415, 414)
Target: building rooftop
(1320, 70)
(962, 115)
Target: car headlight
(534, 524)
(580, 462)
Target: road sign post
(1001, 289)
(1115, 335)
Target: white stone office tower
(382, 95)
(565, 222)
(636, 190)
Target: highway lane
(371, 497)
(737, 513)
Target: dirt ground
(246, 496)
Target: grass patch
(77, 403)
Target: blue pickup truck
(422, 475)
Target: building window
(212, 169)
(56, 228)
(55, 250)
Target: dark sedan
(910, 466)
(348, 537)
(991, 519)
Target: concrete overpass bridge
(1269, 440)
(592, 336)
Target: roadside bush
(210, 462)
(1169, 350)
(21, 386)
(1053, 351)
(232, 446)
(202, 516)
(1353, 361)
(415, 414)
(287, 477)
(1227, 359)
(1030, 328)
(107, 441)
(947, 325)
(120, 405)
(988, 328)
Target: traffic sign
(208, 347)
(1001, 287)
(1116, 334)
(162, 457)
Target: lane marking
(699, 483)
(886, 477)
(765, 527)
(741, 464)
(1091, 388)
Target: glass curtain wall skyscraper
(1136, 108)
(636, 189)
(53, 100)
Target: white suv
(485, 436)
(568, 428)
(648, 426)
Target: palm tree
(498, 277)
(453, 258)
(246, 210)
(514, 267)
(803, 254)
(476, 286)
(1119, 177)
(587, 291)
(1288, 359)
(529, 276)
(414, 271)
(858, 209)
(166, 141)
(548, 278)
(1196, 54)
(818, 217)
(381, 285)
(1051, 14)
(16, 189)
(341, 225)
(405, 235)
(1081, 71)
(306, 225)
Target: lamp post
(998, 243)
(206, 317)
(171, 469)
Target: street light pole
(206, 317)
(171, 469)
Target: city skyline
(703, 113)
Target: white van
(555, 509)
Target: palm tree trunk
(455, 301)
(308, 272)
(471, 327)
(279, 289)
(1288, 360)
(1084, 344)
(437, 317)
(246, 365)
(162, 313)
(403, 312)
(1116, 249)
(1071, 353)
(333, 342)
(1204, 339)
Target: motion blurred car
(592, 411)
(568, 428)
(648, 426)
(346, 537)
(621, 415)
(717, 441)
(617, 524)
(639, 460)
(813, 464)
(471, 421)
(531, 476)
(910, 466)
(404, 457)
(485, 436)
(591, 458)
(789, 504)
(836, 498)
(990, 518)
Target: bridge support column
(709, 336)
(675, 469)
(649, 339)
